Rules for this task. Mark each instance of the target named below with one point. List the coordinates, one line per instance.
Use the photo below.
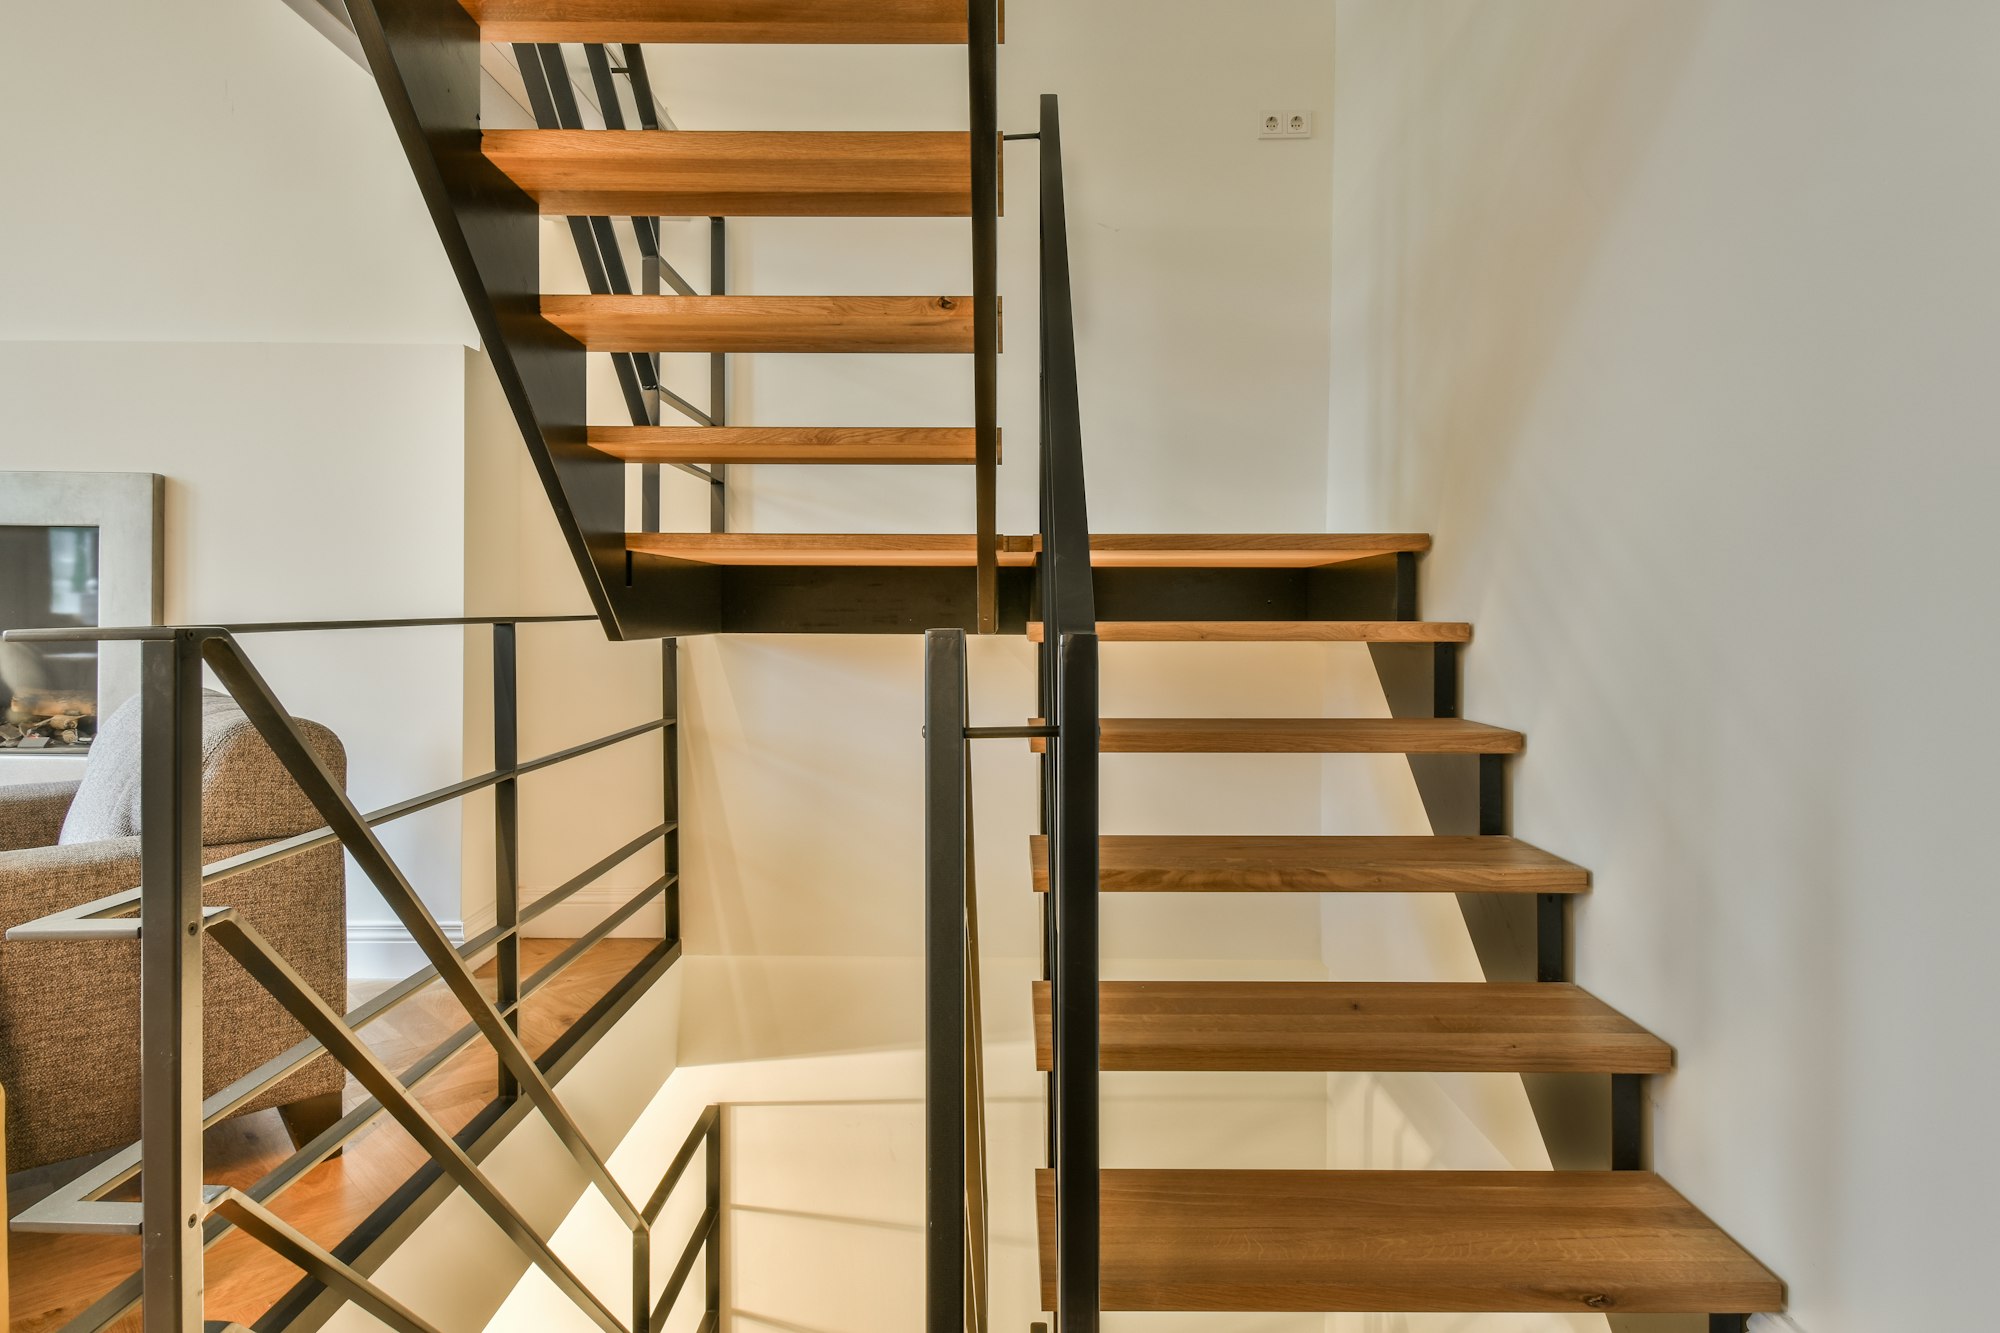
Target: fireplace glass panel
(48, 580)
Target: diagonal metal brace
(270, 969)
(281, 732)
(301, 1251)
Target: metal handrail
(955, 1187)
(173, 923)
(1069, 768)
(982, 32)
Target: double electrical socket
(1285, 125)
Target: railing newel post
(946, 803)
(170, 987)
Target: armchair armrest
(39, 880)
(31, 814)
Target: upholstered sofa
(69, 1011)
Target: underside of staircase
(1619, 1240)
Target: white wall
(277, 509)
(222, 272)
(1675, 321)
(210, 170)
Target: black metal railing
(179, 1215)
(1068, 735)
(983, 65)
(552, 98)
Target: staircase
(1617, 1241)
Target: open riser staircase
(1611, 1239)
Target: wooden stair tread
(1275, 631)
(872, 549)
(786, 444)
(1302, 735)
(1268, 550)
(1312, 1026)
(926, 324)
(1321, 864)
(1607, 1242)
(806, 22)
(1247, 550)
(725, 173)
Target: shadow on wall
(1482, 240)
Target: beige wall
(1675, 320)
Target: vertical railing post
(670, 782)
(983, 57)
(718, 376)
(945, 843)
(507, 840)
(1073, 884)
(651, 483)
(170, 1019)
(712, 1255)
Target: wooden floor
(54, 1278)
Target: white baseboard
(384, 951)
(577, 915)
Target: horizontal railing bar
(590, 938)
(124, 633)
(1010, 138)
(236, 865)
(1011, 733)
(270, 970)
(696, 1137)
(68, 923)
(703, 1235)
(556, 1061)
(394, 1216)
(121, 1167)
(556, 896)
(62, 927)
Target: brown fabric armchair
(69, 1011)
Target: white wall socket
(1285, 125)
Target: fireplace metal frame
(128, 509)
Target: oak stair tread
(730, 173)
(1208, 863)
(1247, 550)
(1301, 735)
(1275, 631)
(1329, 1026)
(908, 324)
(786, 444)
(1109, 551)
(928, 550)
(1604, 1242)
(804, 22)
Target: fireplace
(77, 550)
(51, 581)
